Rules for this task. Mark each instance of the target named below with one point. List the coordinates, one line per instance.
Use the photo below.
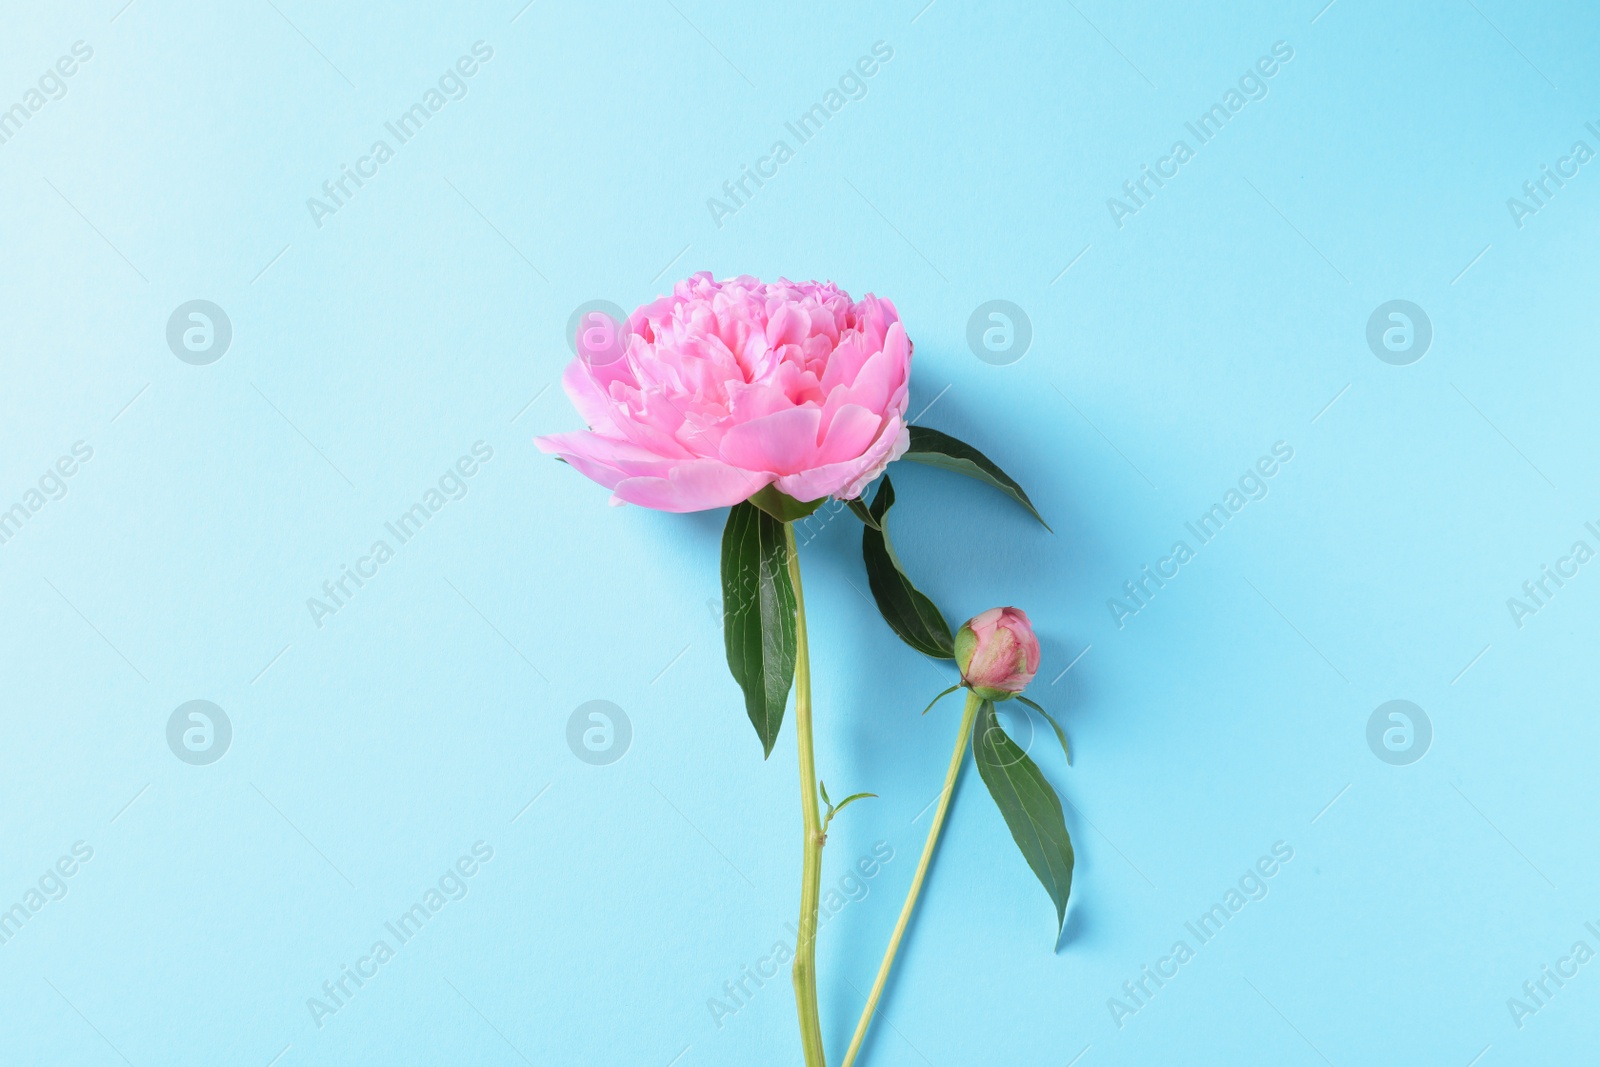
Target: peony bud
(998, 653)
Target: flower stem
(805, 950)
(957, 758)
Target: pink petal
(781, 443)
(588, 389)
(847, 480)
(788, 325)
(694, 486)
(624, 457)
(847, 437)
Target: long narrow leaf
(938, 449)
(1029, 805)
(758, 616)
(906, 609)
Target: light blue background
(428, 314)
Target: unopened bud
(998, 653)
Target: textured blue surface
(1176, 340)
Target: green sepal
(782, 506)
(1061, 735)
(940, 697)
(965, 644)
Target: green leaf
(851, 799)
(1029, 804)
(860, 510)
(834, 809)
(940, 697)
(1061, 735)
(938, 449)
(758, 616)
(905, 608)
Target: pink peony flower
(727, 387)
(998, 653)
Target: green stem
(957, 758)
(805, 950)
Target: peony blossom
(998, 653)
(727, 387)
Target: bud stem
(957, 758)
(805, 950)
